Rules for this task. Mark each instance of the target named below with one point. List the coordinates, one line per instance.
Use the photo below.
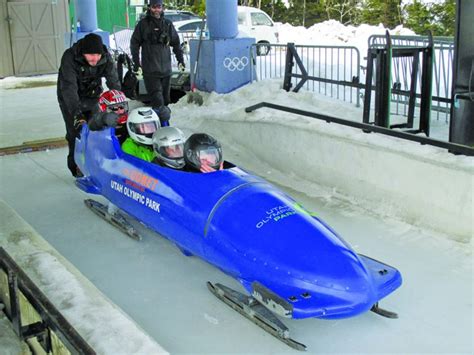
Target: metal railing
(327, 62)
(367, 128)
(19, 284)
(402, 66)
(342, 63)
(335, 63)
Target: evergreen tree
(199, 7)
(435, 17)
(438, 17)
(387, 12)
(444, 15)
(276, 9)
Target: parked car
(188, 25)
(256, 23)
(175, 15)
(178, 15)
(187, 30)
(252, 22)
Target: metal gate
(34, 36)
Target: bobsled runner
(289, 261)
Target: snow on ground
(165, 293)
(90, 313)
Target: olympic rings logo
(235, 63)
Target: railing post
(289, 64)
(426, 83)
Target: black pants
(89, 107)
(158, 89)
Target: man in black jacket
(155, 34)
(80, 84)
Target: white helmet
(168, 146)
(141, 124)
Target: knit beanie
(156, 2)
(92, 44)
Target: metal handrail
(451, 147)
(51, 318)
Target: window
(260, 19)
(191, 26)
(241, 18)
(173, 18)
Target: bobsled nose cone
(343, 289)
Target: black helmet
(201, 146)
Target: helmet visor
(118, 108)
(174, 151)
(147, 128)
(209, 156)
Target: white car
(252, 22)
(177, 15)
(256, 23)
(186, 30)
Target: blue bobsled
(288, 259)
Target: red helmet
(114, 101)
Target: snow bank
(334, 33)
(100, 322)
(422, 185)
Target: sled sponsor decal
(135, 195)
(278, 213)
(139, 180)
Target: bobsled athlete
(113, 112)
(115, 101)
(168, 147)
(203, 153)
(141, 124)
(80, 84)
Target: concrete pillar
(461, 128)
(86, 13)
(224, 60)
(221, 18)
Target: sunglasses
(116, 108)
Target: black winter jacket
(155, 36)
(78, 81)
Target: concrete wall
(425, 186)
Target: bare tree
(342, 8)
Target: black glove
(181, 66)
(110, 119)
(164, 113)
(136, 67)
(79, 120)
